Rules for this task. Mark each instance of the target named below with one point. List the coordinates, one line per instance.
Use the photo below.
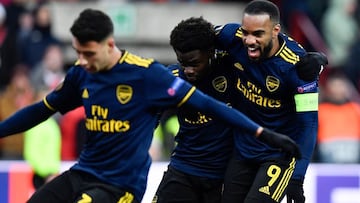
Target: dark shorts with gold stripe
(257, 182)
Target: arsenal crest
(272, 83)
(124, 93)
(220, 83)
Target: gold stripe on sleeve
(48, 105)
(187, 96)
(175, 72)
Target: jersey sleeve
(66, 96)
(62, 99)
(226, 35)
(306, 105)
(174, 91)
(176, 70)
(218, 109)
(306, 139)
(163, 89)
(25, 119)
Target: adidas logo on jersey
(265, 190)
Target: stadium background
(143, 28)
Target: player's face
(259, 35)
(195, 63)
(94, 56)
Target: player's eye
(88, 54)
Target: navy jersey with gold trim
(204, 144)
(271, 93)
(121, 108)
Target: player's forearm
(25, 119)
(220, 110)
(307, 134)
(302, 164)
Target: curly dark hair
(194, 33)
(92, 25)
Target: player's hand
(281, 141)
(295, 192)
(311, 65)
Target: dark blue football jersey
(204, 143)
(121, 107)
(271, 93)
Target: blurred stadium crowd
(33, 63)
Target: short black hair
(194, 33)
(257, 7)
(92, 25)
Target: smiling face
(260, 36)
(194, 63)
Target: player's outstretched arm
(25, 119)
(311, 65)
(281, 141)
(238, 120)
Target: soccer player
(271, 93)
(204, 144)
(122, 95)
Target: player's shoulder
(135, 60)
(176, 70)
(290, 51)
(222, 59)
(227, 29)
(75, 71)
(174, 66)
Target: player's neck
(115, 58)
(275, 48)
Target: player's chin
(254, 58)
(91, 70)
(191, 78)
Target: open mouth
(254, 52)
(191, 77)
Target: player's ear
(111, 42)
(276, 29)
